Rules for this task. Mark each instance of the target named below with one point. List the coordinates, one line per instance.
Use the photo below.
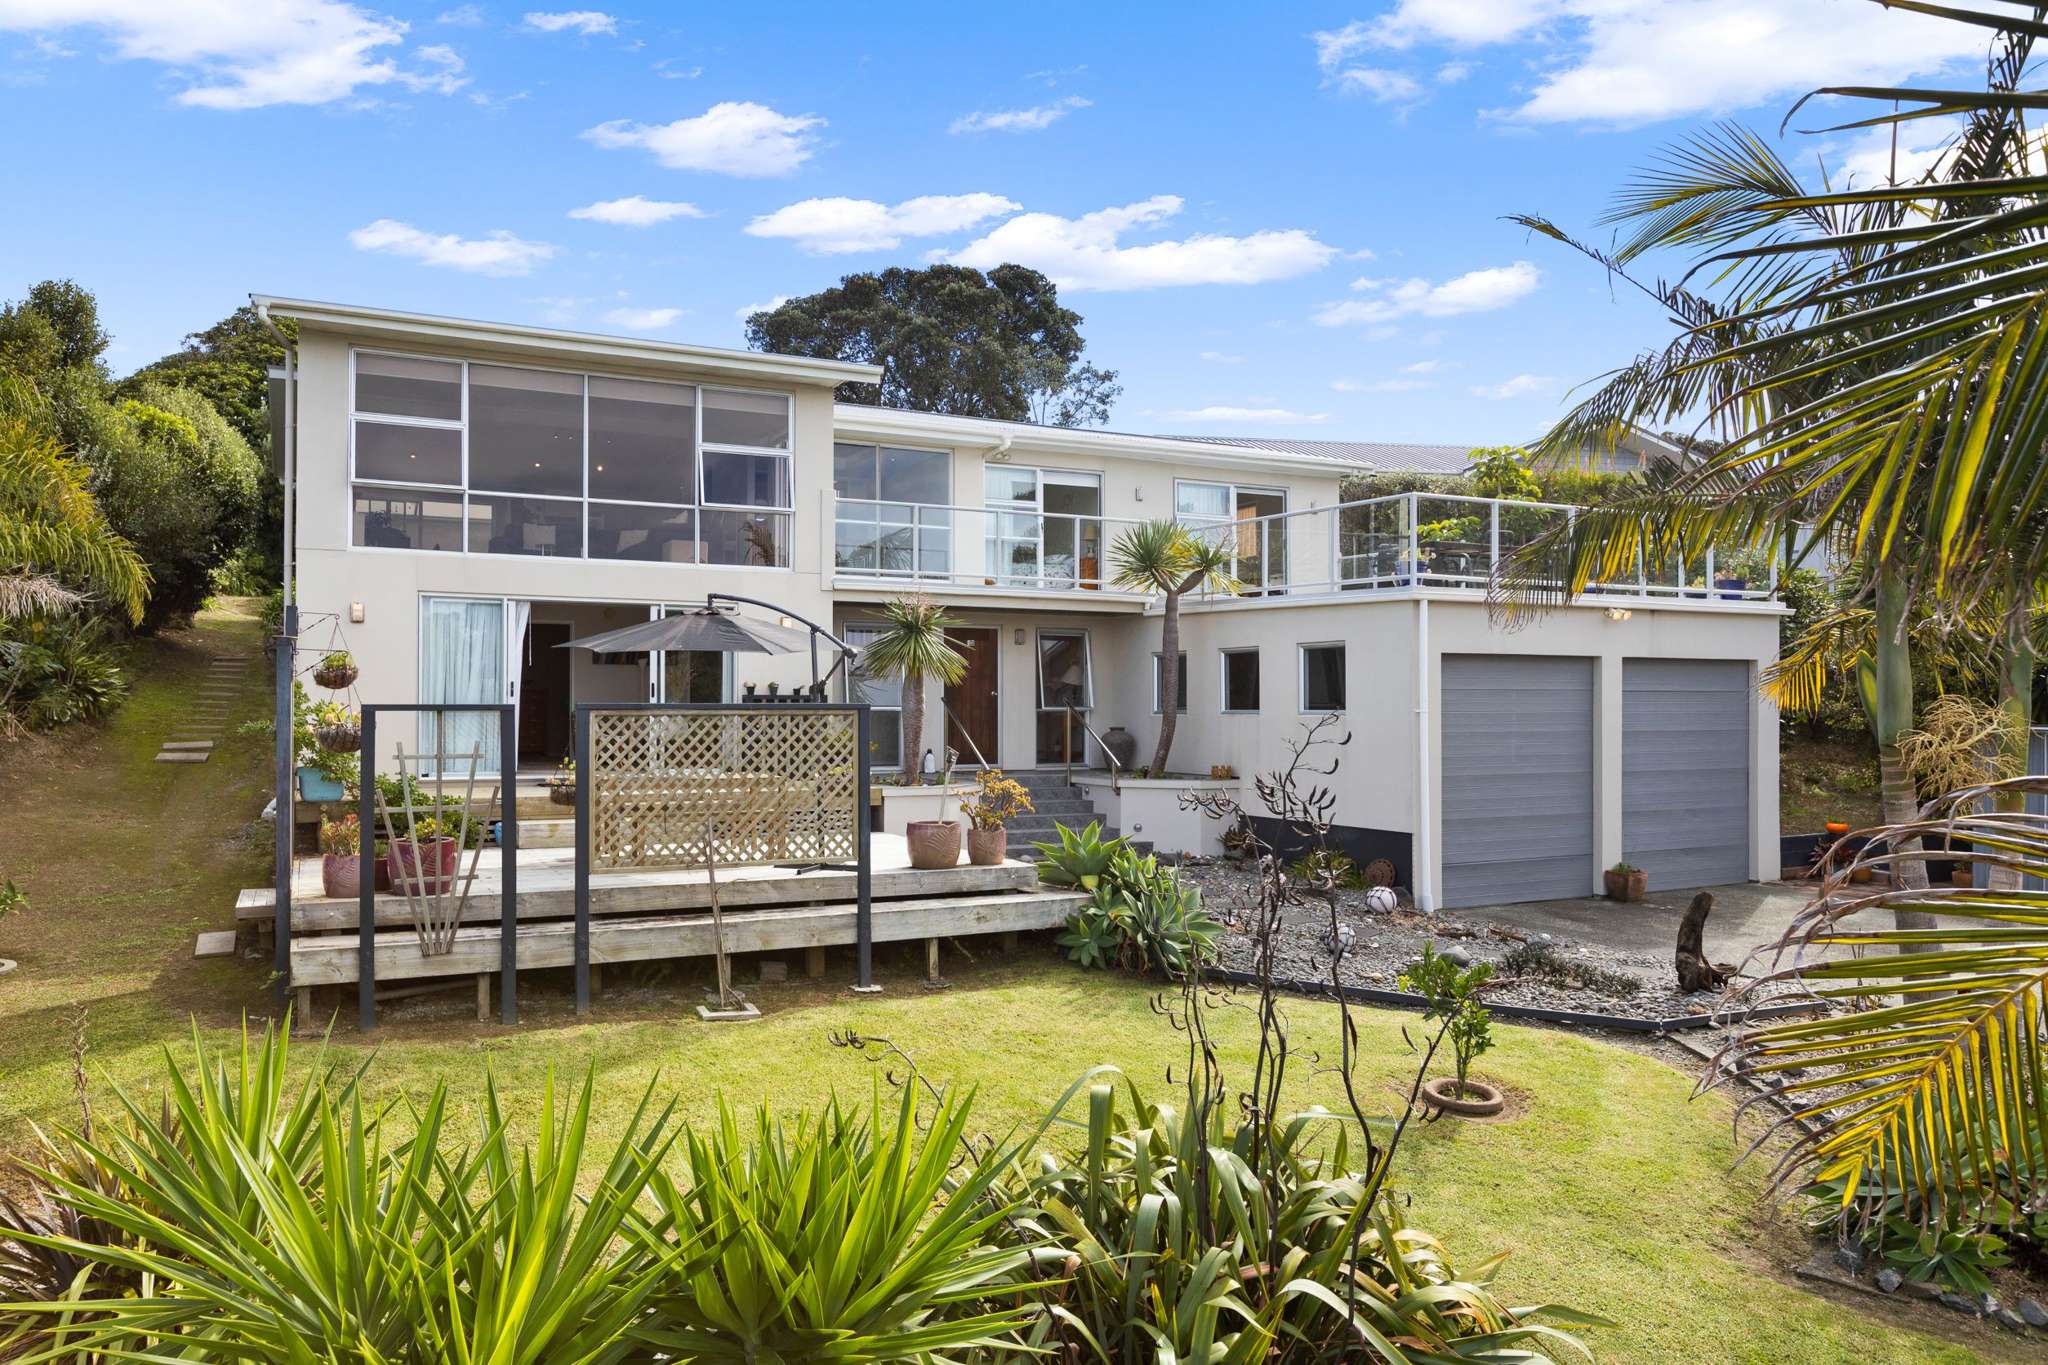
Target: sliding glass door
(1247, 521)
(1045, 527)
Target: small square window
(1322, 677)
(1240, 680)
(1180, 683)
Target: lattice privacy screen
(775, 786)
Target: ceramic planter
(341, 875)
(424, 866)
(315, 785)
(987, 847)
(1626, 886)
(933, 844)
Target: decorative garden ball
(1381, 900)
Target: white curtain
(463, 657)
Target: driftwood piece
(1695, 973)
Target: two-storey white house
(471, 495)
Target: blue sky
(1274, 219)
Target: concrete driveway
(1746, 916)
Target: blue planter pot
(315, 785)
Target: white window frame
(1036, 511)
(463, 492)
(1158, 676)
(1223, 680)
(1301, 677)
(875, 504)
(1038, 665)
(1235, 488)
(894, 765)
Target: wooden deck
(642, 916)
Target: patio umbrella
(704, 628)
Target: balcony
(1391, 546)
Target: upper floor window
(555, 463)
(1248, 520)
(893, 513)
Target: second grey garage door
(1517, 778)
(1685, 770)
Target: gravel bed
(1382, 946)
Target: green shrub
(1139, 916)
(1450, 993)
(1246, 1242)
(56, 671)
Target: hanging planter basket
(562, 794)
(335, 679)
(339, 739)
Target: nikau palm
(1170, 559)
(912, 646)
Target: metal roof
(1388, 455)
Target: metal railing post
(508, 858)
(1493, 542)
(366, 876)
(863, 881)
(583, 858)
(286, 764)
(1414, 548)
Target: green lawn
(1611, 1189)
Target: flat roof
(392, 325)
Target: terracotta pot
(1626, 886)
(424, 866)
(1473, 1100)
(933, 844)
(987, 847)
(1838, 826)
(341, 875)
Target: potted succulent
(336, 670)
(562, 786)
(341, 857)
(337, 729)
(1222, 772)
(996, 799)
(423, 861)
(1450, 994)
(1626, 883)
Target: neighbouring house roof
(1402, 457)
(399, 328)
(861, 421)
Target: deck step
(333, 960)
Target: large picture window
(459, 457)
(893, 509)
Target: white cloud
(237, 56)
(1018, 120)
(443, 73)
(1084, 253)
(643, 319)
(1272, 417)
(1426, 367)
(668, 70)
(462, 16)
(1378, 385)
(1872, 161)
(497, 253)
(768, 307)
(1521, 386)
(1388, 87)
(1450, 73)
(636, 211)
(1220, 358)
(825, 226)
(1477, 291)
(588, 22)
(1625, 63)
(731, 138)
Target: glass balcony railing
(1396, 544)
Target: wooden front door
(971, 702)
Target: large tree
(949, 339)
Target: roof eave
(391, 325)
(857, 419)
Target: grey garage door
(1685, 770)
(1517, 778)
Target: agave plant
(1166, 1230)
(840, 1237)
(1927, 1085)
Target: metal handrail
(1115, 768)
(945, 718)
